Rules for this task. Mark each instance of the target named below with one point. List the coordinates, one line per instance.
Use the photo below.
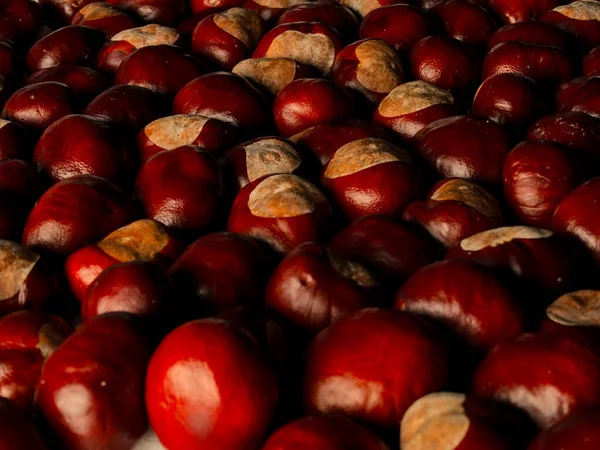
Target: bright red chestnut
(465, 147)
(314, 287)
(221, 271)
(591, 63)
(513, 11)
(161, 12)
(124, 43)
(370, 67)
(16, 430)
(308, 102)
(85, 82)
(581, 94)
(310, 43)
(164, 69)
(181, 188)
(228, 393)
(73, 213)
(530, 32)
(41, 104)
(14, 141)
(74, 45)
(577, 432)
(144, 240)
(103, 16)
(324, 433)
(579, 19)
(333, 14)
(28, 340)
(465, 21)
(537, 176)
(412, 106)
(224, 39)
(338, 382)
(371, 176)
(92, 387)
(454, 210)
(282, 210)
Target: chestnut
(269, 10)
(74, 45)
(161, 12)
(412, 106)
(207, 7)
(230, 386)
(220, 271)
(308, 102)
(96, 378)
(282, 210)
(337, 381)
(333, 14)
(180, 188)
(537, 176)
(454, 210)
(465, 21)
(531, 32)
(310, 43)
(314, 287)
(127, 41)
(7, 57)
(362, 8)
(19, 19)
(83, 145)
(591, 63)
(224, 39)
(143, 240)
(16, 430)
(465, 147)
(575, 309)
(576, 432)
(14, 141)
(371, 176)
(85, 82)
(73, 213)
(171, 132)
(369, 68)
(514, 11)
(579, 19)
(580, 94)
(28, 339)
(103, 16)
(164, 69)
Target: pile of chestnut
(289, 224)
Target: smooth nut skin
(537, 176)
(285, 212)
(83, 145)
(207, 378)
(73, 213)
(162, 12)
(465, 147)
(313, 288)
(333, 14)
(530, 32)
(39, 105)
(61, 13)
(591, 63)
(16, 430)
(269, 10)
(220, 271)
(100, 369)
(309, 102)
(338, 382)
(465, 21)
(85, 82)
(15, 143)
(180, 188)
(454, 210)
(541, 63)
(20, 19)
(224, 96)
(580, 20)
(581, 94)
(208, 7)
(401, 26)
(561, 376)
(577, 432)
(127, 106)
(164, 69)
(74, 45)
(324, 433)
(103, 16)
(7, 57)
(514, 11)
(28, 340)
(467, 298)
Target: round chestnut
(591, 63)
(161, 12)
(19, 19)
(514, 11)
(85, 82)
(531, 32)
(580, 94)
(465, 21)
(103, 16)
(577, 432)
(579, 19)
(14, 141)
(333, 14)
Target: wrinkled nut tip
(243, 24)
(272, 74)
(502, 235)
(580, 10)
(435, 421)
(284, 196)
(49, 340)
(175, 131)
(579, 308)
(379, 67)
(138, 241)
(351, 270)
(315, 50)
(270, 156)
(16, 262)
(362, 7)
(97, 11)
(412, 97)
(470, 194)
(362, 154)
(148, 36)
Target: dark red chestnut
(7, 57)
(579, 19)
(85, 82)
(14, 141)
(205, 8)
(465, 21)
(581, 94)
(363, 7)
(577, 432)
(228, 386)
(531, 32)
(16, 430)
(19, 19)
(513, 11)
(591, 63)
(282, 210)
(103, 16)
(162, 12)
(333, 14)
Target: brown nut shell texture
(577, 309)
(147, 36)
(412, 97)
(580, 10)
(138, 241)
(243, 24)
(97, 11)
(362, 7)
(175, 131)
(379, 68)
(274, 74)
(16, 262)
(269, 156)
(469, 193)
(315, 50)
(502, 235)
(351, 270)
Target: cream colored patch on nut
(435, 421)
(581, 10)
(284, 196)
(299, 136)
(412, 97)
(272, 74)
(270, 156)
(148, 36)
(502, 235)
(315, 50)
(3, 123)
(243, 24)
(279, 4)
(351, 270)
(97, 11)
(470, 194)
(579, 308)
(362, 154)
(138, 241)
(174, 131)
(16, 262)
(379, 68)
(361, 7)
